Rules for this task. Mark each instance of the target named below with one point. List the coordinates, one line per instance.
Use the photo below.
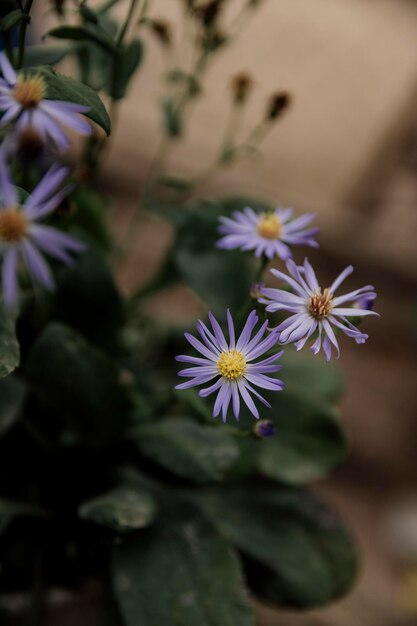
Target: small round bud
(241, 87)
(265, 428)
(278, 103)
(255, 290)
(162, 31)
(209, 12)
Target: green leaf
(10, 509)
(309, 441)
(197, 452)
(182, 574)
(89, 216)
(12, 19)
(12, 396)
(171, 119)
(9, 347)
(222, 279)
(308, 372)
(299, 554)
(79, 385)
(85, 33)
(126, 65)
(60, 87)
(44, 55)
(88, 300)
(122, 509)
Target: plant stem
(126, 24)
(22, 34)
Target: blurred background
(347, 149)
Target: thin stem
(129, 16)
(22, 34)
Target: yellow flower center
(320, 303)
(29, 92)
(269, 226)
(13, 225)
(232, 364)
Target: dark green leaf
(308, 372)
(12, 19)
(122, 509)
(87, 299)
(89, 216)
(173, 182)
(222, 279)
(9, 347)
(79, 385)
(126, 65)
(84, 33)
(9, 510)
(44, 55)
(309, 441)
(171, 118)
(194, 451)
(12, 396)
(62, 87)
(299, 553)
(183, 574)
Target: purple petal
(59, 112)
(7, 69)
(36, 265)
(339, 280)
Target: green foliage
(79, 384)
(84, 33)
(171, 118)
(299, 554)
(60, 87)
(12, 19)
(126, 65)
(206, 585)
(12, 397)
(9, 347)
(11, 509)
(44, 55)
(197, 452)
(122, 509)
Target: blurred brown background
(348, 150)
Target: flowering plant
(112, 468)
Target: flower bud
(265, 428)
(277, 105)
(241, 87)
(255, 290)
(162, 31)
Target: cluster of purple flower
(313, 312)
(26, 113)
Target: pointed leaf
(9, 347)
(122, 509)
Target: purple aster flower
(268, 233)
(316, 309)
(23, 238)
(231, 364)
(23, 99)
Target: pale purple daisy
(23, 100)
(316, 309)
(269, 233)
(24, 239)
(230, 363)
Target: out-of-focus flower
(278, 103)
(24, 239)
(265, 428)
(267, 233)
(231, 364)
(23, 99)
(314, 308)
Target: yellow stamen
(29, 92)
(231, 364)
(269, 226)
(320, 303)
(13, 225)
